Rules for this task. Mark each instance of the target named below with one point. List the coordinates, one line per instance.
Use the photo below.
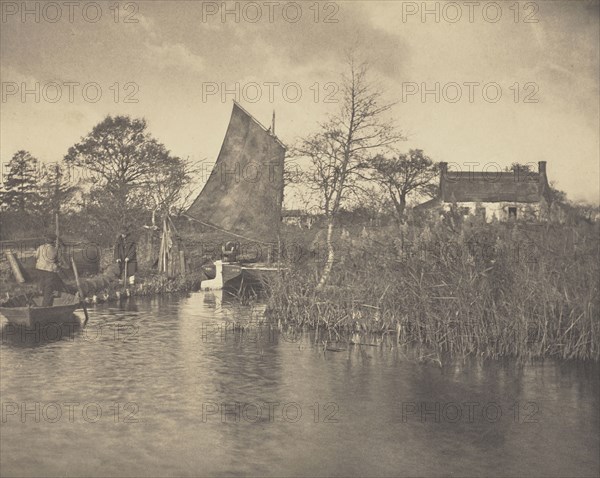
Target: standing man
(126, 256)
(47, 266)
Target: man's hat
(50, 237)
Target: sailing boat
(243, 198)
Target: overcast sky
(176, 59)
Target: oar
(124, 289)
(82, 302)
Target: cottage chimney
(542, 179)
(443, 176)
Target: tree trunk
(330, 256)
(400, 206)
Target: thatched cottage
(504, 195)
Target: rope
(22, 240)
(41, 239)
(226, 231)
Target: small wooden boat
(18, 312)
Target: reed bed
(500, 290)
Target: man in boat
(126, 255)
(47, 266)
(230, 251)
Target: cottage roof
(491, 186)
(521, 186)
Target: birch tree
(340, 151)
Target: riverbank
(105, 288)
(99, 275)
(447, 288)
(495, 290)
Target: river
(166, 387)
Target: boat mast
(273, 124)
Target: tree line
(129, 178)
(352, 161)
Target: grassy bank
(102, 289)
(468, 289)
(103, 286)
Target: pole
(57, 231)
(82, 302)
(59, 253)
(15, 267)
(125, 273)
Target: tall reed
(491, 290)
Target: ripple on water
(174, 360)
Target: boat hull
(251, 279)
(61, 312)
(237, 278)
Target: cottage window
(512, 212)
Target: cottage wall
(498, 210)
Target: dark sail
(244, 192)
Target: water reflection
(39, 335)
(129, 304)
(203, 386)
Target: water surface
(166, 387)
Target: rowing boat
(19, 313)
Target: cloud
(174, 55)
(148, 24)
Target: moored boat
(243, 198)
(17, 311)
(236, 277)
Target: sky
(479, 85)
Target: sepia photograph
(302, 238)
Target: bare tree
(341, 150)
(171, 189)
(404, 174)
